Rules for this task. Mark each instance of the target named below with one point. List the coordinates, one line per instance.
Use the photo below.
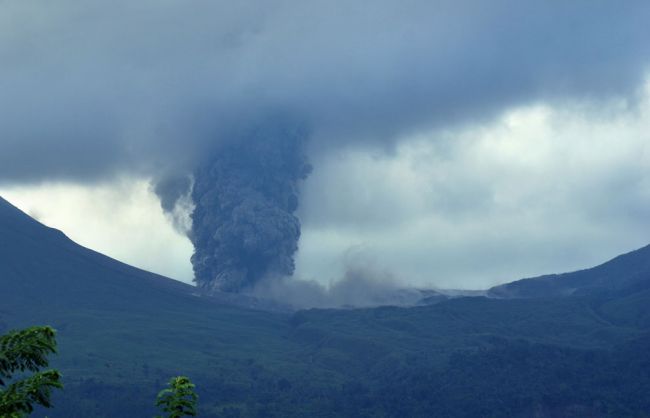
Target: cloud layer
(91, 89)
(542, 189)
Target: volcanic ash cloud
(243, 226)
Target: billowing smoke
(243, 225)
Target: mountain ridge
(124, 332)
(625, 272)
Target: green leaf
(27, 350)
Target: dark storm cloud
(88, 89)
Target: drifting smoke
(359, 287)
(176, 201)
(243, 225)
(364, 283)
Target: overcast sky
(455, 144)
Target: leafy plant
(179, 399)
(26, 351)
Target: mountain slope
(627, 273)
(113, 319)
(42, 264)
(123, 332)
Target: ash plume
(243, 225)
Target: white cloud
(541, 190)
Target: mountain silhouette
(626, 273)
(567, 345)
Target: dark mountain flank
(570, 345)
(41, 264)
(627, 273)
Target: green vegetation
(179, 399)
(26, 351)
(467, 357)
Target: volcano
(576, 344)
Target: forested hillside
(123, 332)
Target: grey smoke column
(243, 226)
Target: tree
(179, 399)
(26, 351)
